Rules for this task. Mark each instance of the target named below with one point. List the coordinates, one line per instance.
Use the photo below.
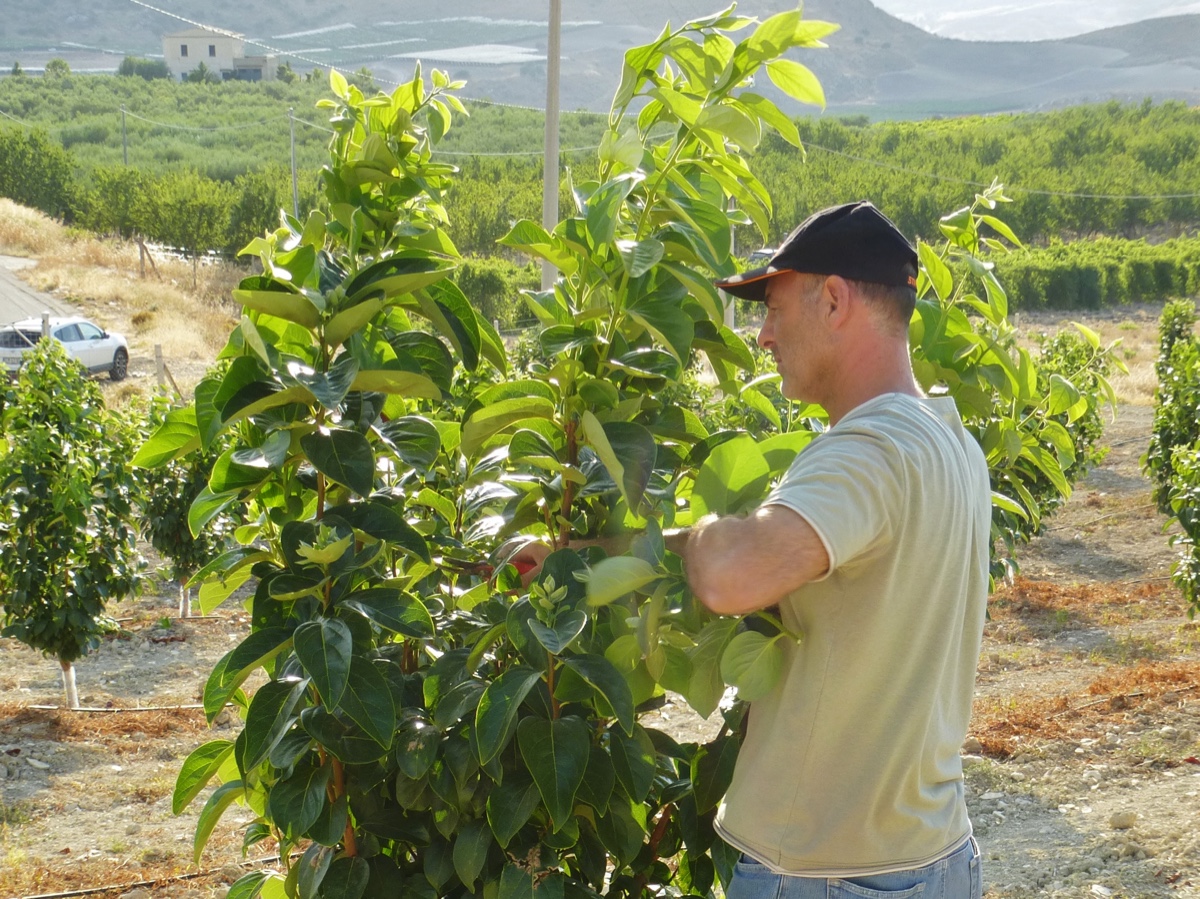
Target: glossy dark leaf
(343, 456)
(608, 682)
(346, 879)
(567, 626)
(368, 702)
(634, 760)
(324, 648)
(392, 610)
(297, 800)
(272, 713)
(511, 804)
(496, 715)
(556, 754)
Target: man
(875, 547)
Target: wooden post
(45, 324)
(159, 366)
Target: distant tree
(187, 211)
(286, 74)
(256, 209)
(316, 73)
(36, 171)
(57, 68)
(148, 69)
(113, 200)
(202, 74)
(17, 71)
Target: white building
(224, 54)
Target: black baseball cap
(854, 240)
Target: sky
(1024, 20)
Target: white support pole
(295, 187)
(550, 166)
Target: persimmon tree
(68, 494)
(428, 725)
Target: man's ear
(838, 296)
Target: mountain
(1020, 20)
(876, 64)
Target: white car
(97, 349)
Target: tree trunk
(68, 675)
(195, 262)
(185, 600)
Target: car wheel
(120, 366)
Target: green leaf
(272, 713)
(706, 686)
(510, 805)
(311, 870)
(292, 307)
(627, 450)
(324, 648)
(610, 579)
(416, 748)
(207, 506)
(330, 827)
(220, 800)
(567, 626)
(343, 456)
(936, 270)
(668, 321)
(396, 382)
(533, 240)
(1002, 229)
(350, 321)
(446, 306)
(296, 801)
(329, 388)
(397, 275)
(496, 715)
(198, 769)
(772, 115)
(556, 754)
(712, 772)
(732, 479)
(254, 652)
(603, 677)
(494, 418)
(471, 850)
(520, 883)
(639, 256)
(392, 610)
(383, 522)
(634, 759)
(752, 662)
(368, 702)
(598, 781)
(414, 439)
(797, 81)
(604, 207)
(730, 122)
(346, 878)
(177, 436)
(1063, 394)
(248, 886)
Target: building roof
(201, 32)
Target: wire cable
(134, 115)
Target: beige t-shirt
(851, 765)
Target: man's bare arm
(738, 565)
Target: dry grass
(1136, 326)
(1030, 609)
(27, 232)
(1006, 725)
(75, 727)
(104, 279)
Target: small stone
(1123, 820)
(131, 829)
(138, 893)
(1168, 731)
(1101, 891)
(1018, 776)
(972, 746)
(991, 796)
(37, 763)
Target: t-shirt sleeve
(848, 487)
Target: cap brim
(752, 284)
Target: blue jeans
(955, 876)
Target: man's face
(790, 332)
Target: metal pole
(124, 140)
(550, 165)
(295, 188)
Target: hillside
(877, 64)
